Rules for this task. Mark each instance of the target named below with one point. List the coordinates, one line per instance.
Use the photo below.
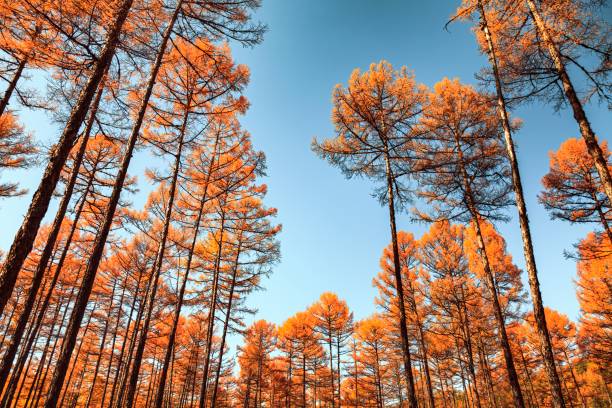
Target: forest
(105, 303)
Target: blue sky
(333, 230)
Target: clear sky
(333, 230)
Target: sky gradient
(333, 230)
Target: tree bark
(412, 401)
(100, 241)
(568, 87)
(24, 239)
(39, 273)
(530, 262)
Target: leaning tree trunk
(4, 102)
(517, 395)
(159, 397)
(100, 241)
(39, 273)
(412, 401)
(532, 272)
(568, 87)
(505, 343)
(24, 239)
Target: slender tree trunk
(100, 241)
(226, 323)
(568, 87)
(39, 273)
(517, 395)
(159, 397)
(467, 334)
(412, 401)
(530, 262)
(112, 348)
(101, 350)
(24, 239)
(12, 85)
(4, 102)
(211, 315)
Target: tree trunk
(412, 402)
(24, 239)
(226, 323)
(568, 87)
(211, 315)
(101, 350)
(39, 273)
(160, 257)
(98, 247)
(530, 262)
(517, 395)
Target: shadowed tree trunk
(39, 273)
(412, 401)
(530, 262)
(24, 239)
(100, 241)
(568, 87)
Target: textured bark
(24, 239)
(517, 395)
(412, 401)
(100, 241)
(39, 273)
(570, 93)
(530, 262)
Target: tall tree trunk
(530, 262)
(24, 239)
(226, 323)
(101, 350)
(422, 344)
(39, 273)
(12, 85)
(517, 395)
(568, 87)
(412, 401)
(467, 335)
(156, 272)
(112, 347)
(211, 314)
(100, 241)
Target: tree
(24, 239)
(334, 321)
(572, 189)
(416, 308)
(594, 291)
(487, 44)
(16, 152)
(465, 176)
(255, 358)
(374, 119)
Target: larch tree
(26, 234)
(17, 151)
(413, 284)
(334, 321)
(374, 119)
(572, 188)
(465, 177)
(488, 46)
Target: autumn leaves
(130, 76)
